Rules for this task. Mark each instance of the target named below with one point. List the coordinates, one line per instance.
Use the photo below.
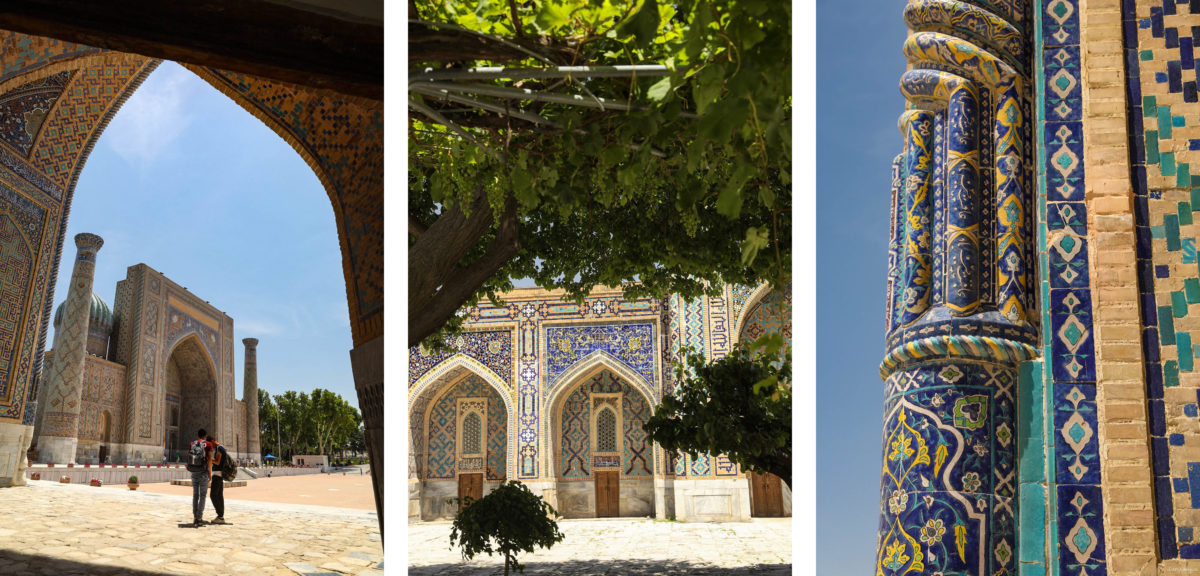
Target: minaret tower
(960, 312)
(60, 424)
(250, 388)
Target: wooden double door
(766, 495)
(470, 486)
(608, 494)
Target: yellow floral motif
(900, 447)
(895, 556)
(960, 540)
(939, 459)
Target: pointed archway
(601, 459)
(461, 422)
(191, 391)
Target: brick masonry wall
(1121, 391)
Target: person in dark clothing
(217, 491)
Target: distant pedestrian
(217, 491)
(199, 463)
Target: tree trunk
(438, 285)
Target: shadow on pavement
(20, 563)
(604, 567)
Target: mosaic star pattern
(575, 452)
(1160, 41)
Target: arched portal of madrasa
(56, 97)
(151, 373)
(554, 394)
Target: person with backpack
(224, 469)
(199, 463)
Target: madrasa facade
(134, 383)
(1040, 377)
(554, 394)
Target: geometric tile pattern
(540, 341)
(1161, 65)
(575, 428)
(441, 457)
(23, 109)
(531, 315)
(493, 349)
(1073, 479)
(764, 318)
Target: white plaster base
(14, 444)
(136, 454)
(723, 500)
(787, 499)
(57, 449)
(664, 498)
(414, 499)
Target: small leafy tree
(510, 519)
(740, 406)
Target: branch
(415, 227)
(438, 285)
(516, 18)
(445, 43)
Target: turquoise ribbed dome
(101, 316)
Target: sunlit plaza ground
(276, 527)
(623, 546)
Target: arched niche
(190, 377)
(577, 460)
(767, 310)
(437, 403)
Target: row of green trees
(301, 423)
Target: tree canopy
(510, 519)
(583, 143)
(301, 423)
(740, 406)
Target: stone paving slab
(623, 546)
(68, 530)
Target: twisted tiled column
(250, 389)
(59, 436)
(958, 295)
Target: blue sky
(859, 63)
(186, 181)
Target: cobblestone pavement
(66, 530)
(623, 546)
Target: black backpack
(228, 466)
(197, 457)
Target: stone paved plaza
(623, 546)
(66, 529)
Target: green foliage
(740, 406)
(509, 520)
(683, 193)
(319, 423)
(133, 479)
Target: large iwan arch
(56, 97)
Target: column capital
(88, 241)
(251, 343)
